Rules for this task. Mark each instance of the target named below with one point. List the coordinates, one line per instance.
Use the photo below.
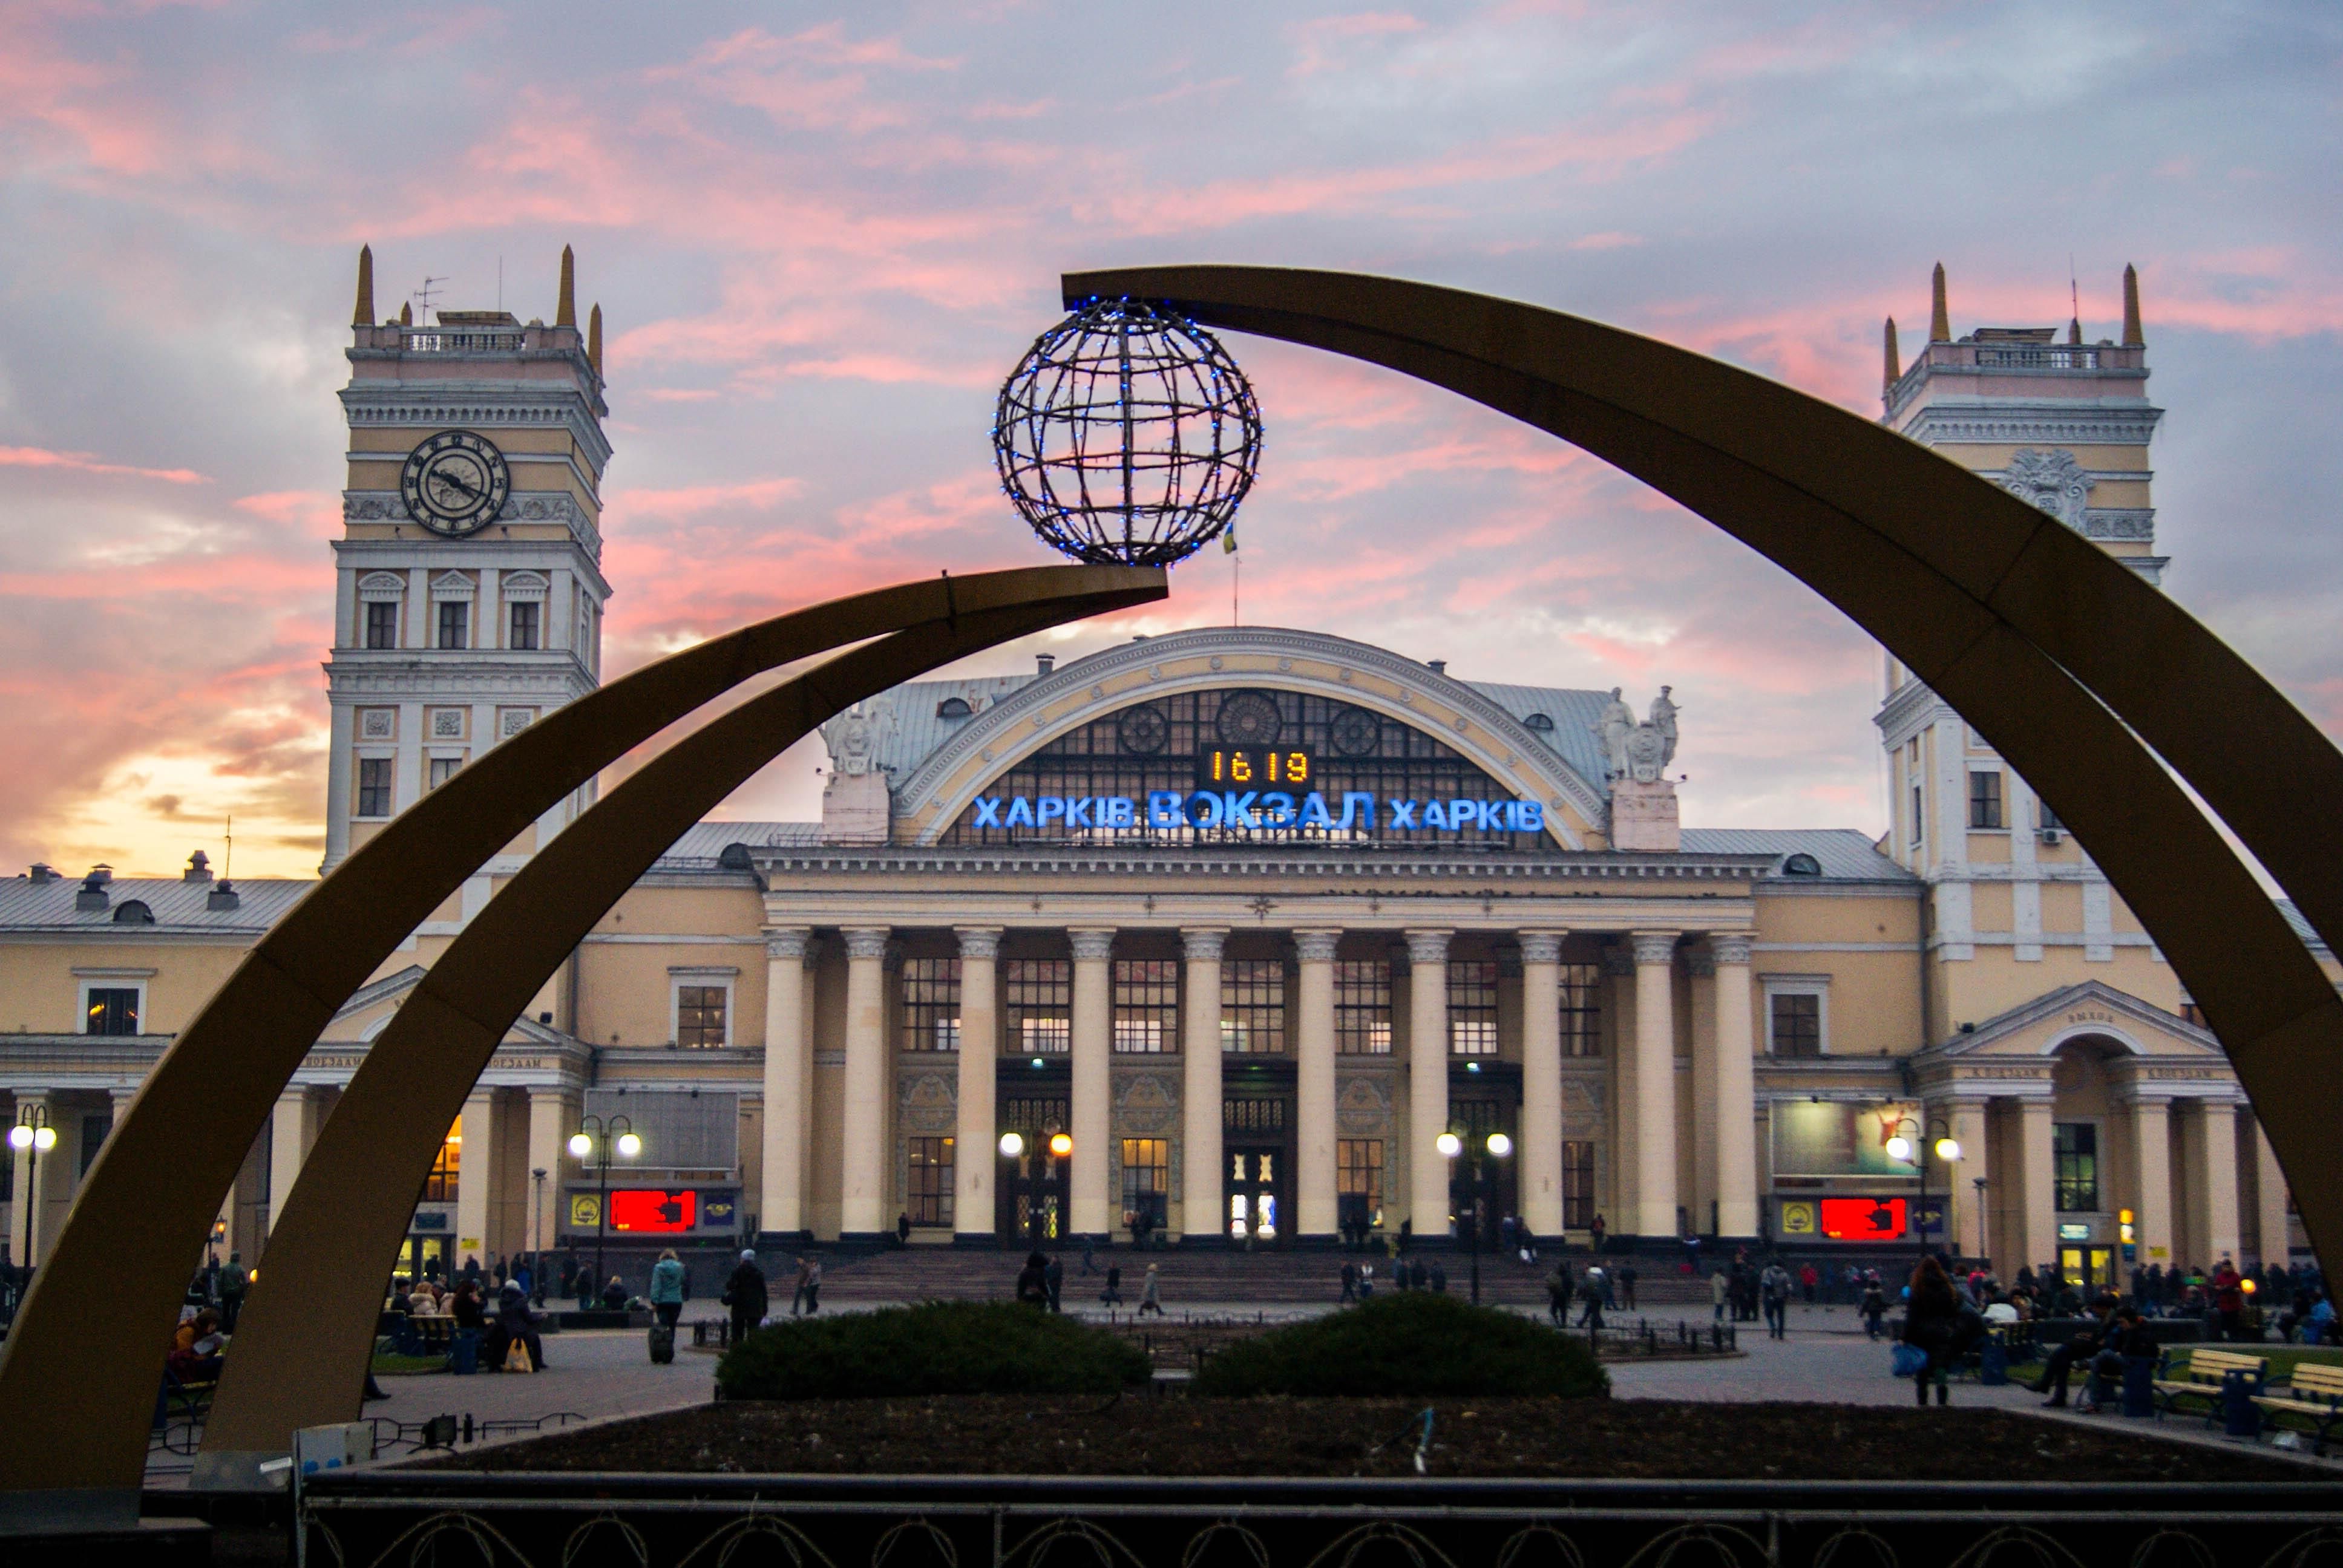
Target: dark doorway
(1034, 1209)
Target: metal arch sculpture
(141, 1215)
(308, 1328)
(2063, 658)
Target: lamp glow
(580, 1145)
(44, 1139)
(1012, 1144)
(2247, 1286)
(1948, 1149)
(1061, 1144)
(1899, 1148)
(1448, 1144)
(629, 1145)
(1500, 1145)
(20, 1136)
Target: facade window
(1147, 1181)
(930, 1197)
(1363, 1009)
(1359, 1175)
(1252, 1115)
(1146, 1005)
(373, 786)
(1577, 1183)
(1472, 1008)
(1252, 1005)
(700, 1015)
(382, 624)
(1582, 1011)
(1917, 817)
(1040, 993)
(1984, 798)
(444, 769)
(930, 1006)
(95, 1127)
(439, 1187)
(2075, 1166)
(455, 624)
(524, 625)
(1795, 1023)
(110, 1009)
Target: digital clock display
(1255, 768)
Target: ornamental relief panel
(929, 1103)
(1146, 1105)
(1362, 1109)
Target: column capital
(1540, 947)
(1203, 943)
(1729, 946)
(1091, 944)
(1427, 946)
(787, 941)
(1316, 946)
(868, 941)
(979, 941)
(1655, 948)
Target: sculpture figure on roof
(1617, 723)
(854, 735)
(1638, 751)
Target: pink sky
(820, 245)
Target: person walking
(1596, 1231)
(1089, 1266)
(1419, 1278)
(1875, 1307)
(1439, 1277)
(1774, 1286)
(1627, 1277)
(1557, 1294)
(1111, 1296)
(1350, 1284)
(797, 1293)
(1807, 1279)
(902, 1229)
(1592, 1293)
(667, 1289)
(744, 1293)
(1054, 1275)
(813, 1286)
(1931, 1325)
(1034, 1283)
(233, 1283)
(2228, 1291)
(1720, 1288)
(1150, 1300)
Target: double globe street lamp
(1480, 1186)
(1939, 1134)
(597, 1139)
(32, 1137)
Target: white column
(476, 1170)
(2221, 1235)
(2152, 1208)
(1965, 1212)
(973, 1160)
(1735, 1090)
(1656, 1084)
(1201, 1183)
(1619, 966)
(2038, 1200)
(290, 1134)
(1541, 1150)
(1700, 1200)
(1427, 1081)
(552, 1116)
(2269, 1202)
(780, 1199)
(1093, 1045)
(862, 1211)
(28, 1240)
(1314, 1086)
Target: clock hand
(446, 479)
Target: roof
(1844, 854)
(700, 845)
(178, 905)
(1575, 715)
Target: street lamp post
(1980, 1206)
(536, 1252)
(1946, 1147)
(34, 1136)
(1451, 1146)
(595, 1137)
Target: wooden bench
(2313, 1391)
(2202, 1375)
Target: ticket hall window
(439, 1187)
(1359, 1177)
(1582, 1013)
(1146, 1006)
(1472, 1008)
(1363, 1009)
(930, 1197)
(1252, 1005)
(1577, 1184)
(931, 1004)
(1147, 1181)
(1039, 994)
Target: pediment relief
(2123, 1024)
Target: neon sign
(1250, 810)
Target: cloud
(84, 463)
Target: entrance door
(1037, 1196)
(423, 1257)
(2092, 1268)
(1256, 1200)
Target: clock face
(454, 482)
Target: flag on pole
(1229, 543)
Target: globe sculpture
(1127, 435)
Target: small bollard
(2241, 1416)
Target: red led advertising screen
(648, 1208)
(1842, 1219)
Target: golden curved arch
(308, 1328)
(141, 1215)
(2063, 659)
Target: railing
(2058, 357)
(462, 340)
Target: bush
(943, 1347)
(1412, 1344)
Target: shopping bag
(1907, 1361)
(517, 1358)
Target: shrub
(943, 1347)
(1411, 1344)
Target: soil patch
(1587, 1439)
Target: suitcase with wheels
(662, 1344)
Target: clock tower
(469, 587)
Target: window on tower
(382, 624)
(455, 623)
(373, 786)
(524, 626)
(1984, 798)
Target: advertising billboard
(1842, 1219)
(1837, 1138)
(651, 1209)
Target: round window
(1250, 718)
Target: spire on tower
(1940, 319)
(407, 313)
(594, 339)
(364, 315)
(2133, 337)
(1895, 369)
(565, 312)
(2074, 303)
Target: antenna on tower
(2074, 302)
(426, 296)
(228, 871)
